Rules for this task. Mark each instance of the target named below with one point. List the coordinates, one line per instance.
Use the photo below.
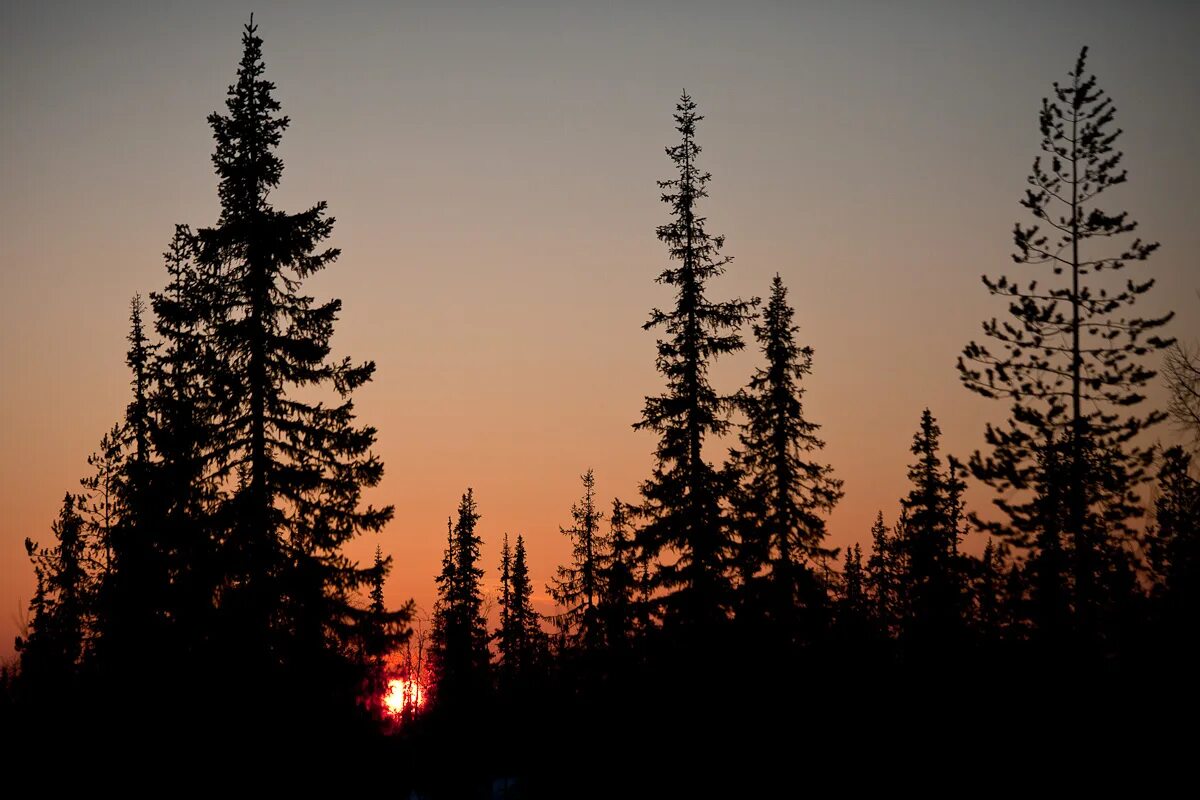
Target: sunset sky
(492, 172)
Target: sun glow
(403, 694)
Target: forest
(203, 553)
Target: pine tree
(60, 631)
(506, 635)
(132, 593)
(784, 492)
(618, 580)
(1173, 547)
(990, 604)
(853, 610)
(376, 638)
(100, 503)
(181, 402)
(1071, 360)
(930, 533)
(576, 587)
(883, 573)
(525, 622)
(682, 505)
(460, 640)
(301, 466)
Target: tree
(182, 405)
(1071, 359)
(1173, 546)
(852, 605)
(460, 642)
(682, 499)
(785, 492)
(301, 466)
(618, 579)
(100, 504)
(527, 631)
(884, 571)
(576, 587)
(1182, 368)
(929, 535)
(60, 629)
(131, 603)
(506, 635)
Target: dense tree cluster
(208, 540)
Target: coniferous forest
(705, 616)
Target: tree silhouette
(459, 645)
(576, 587)
(784, 491)
(618, 581)
(884, 572)
(929, 532)
(682, 508)
(300, 466)
(853, 607)
(182, 403)
(1173, 550)
(131, 605)
(1070, 360)
(1182, 368)
(59, 631)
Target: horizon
(497, 227)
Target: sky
(492, 166)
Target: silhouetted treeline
(207, 543)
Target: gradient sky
(492, 174)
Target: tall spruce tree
(182, 400)
(784, 492)
(576, 587)
(682, 508)
(506, 635)
(524, 620)
(130, 607)
(1071, 360)
(301, 466)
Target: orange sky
(492, 175)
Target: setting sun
(403, 694)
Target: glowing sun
(403, 695)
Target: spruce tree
(301, 466)
(460, 640)
(132, 593)
(505, 635)
(101, 505)
(930, 532)
(618, 579)
(576, 587)
(1173, 548)
(884, 571)
(182, 401)
(1071, 360)
(525, 622)
(784, 492)
(853, 608)
(682, 508)
(60, 628)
